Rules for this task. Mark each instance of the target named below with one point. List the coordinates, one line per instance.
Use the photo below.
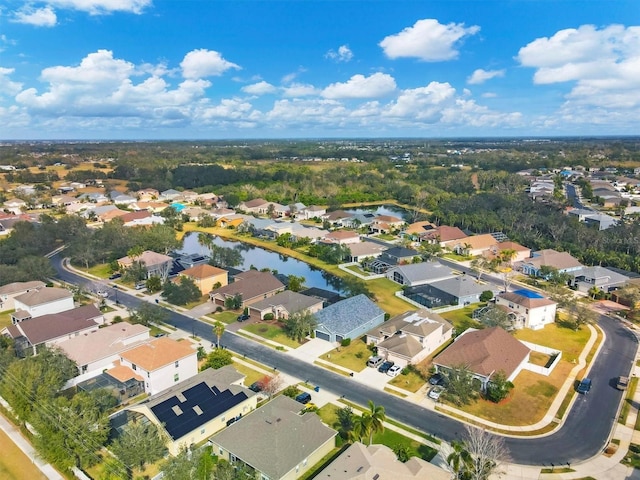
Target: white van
(374, 362)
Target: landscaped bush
(268, 316)
(345, 342)
(218, 309)
(291, 391)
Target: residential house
(153, 207)
(367, 462)
(111, 214)
(415, 274)
(385, 224)
(336, 217)
(257, 205)
(188, 196)
(251, 285)
(520, 252)
(12, 290)
(147, 194)
(458, 290)
(140, 217)
(284, 443)
(121, 198)
(442, 235)
(156, 264)
(15, 205)
(191, 411)
(528, 309)
(310, 212)
(206, 276)
(473, 245)
(170, 195)
(341, 237)
(410, 337)
(97, 350)
(161, 363)
(392, 257)
(283, 304)
(358, 220)
(53, 328)
(416, 229)
(485, 353)
(38, 302)
(601, 221)
(231, 221)
(63, 200)
(365, 250)
(602, 278)
(349, 318)
(562, 261)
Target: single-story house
(530, 309)
(392, 257)
(252, 206)
(415, 274)
(54, 328)
(349, 318)
(170, 195)
(410, 337)
(283, 304)
(336, 217)
(366, 462)
(385, 223)
(194, 409)
(156, 264)
(457, 290)
(161, 363)
(341, 237)
(12, 290)
(485, 352)
(562, 261)
(473, 245)
(284, 443)
(147, 194)
(586, 278)
(312, 211)
(205, 276)
(600, 220)
(251, 285)
(43, 301)
(362, 250)
(521, 252)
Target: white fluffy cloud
(428, 40)
(99, 7)
(359, 86)
(7, 86)
(39, 17)
(344, 54)
(603, 64)
(205, 63)
(260, 88)
(296, 90)
(480, 76)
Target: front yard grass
(271, 332)
(225, 317)
(102, 270)
(354, 357)
(251, 374)
(411, 382)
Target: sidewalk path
(16, 436)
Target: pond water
(383, 210)
(260, 258)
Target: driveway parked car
(437, 379)
(584, 386)
(303, 398)
(435, 392)
(115, 276)
(256, 387)
(384, 368)
(243, 317)
(394, 371)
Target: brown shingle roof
(158, 353)
(250, 284)
(484, 352)
(203, 271)
(44, 295)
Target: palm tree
(459, 460)
(362, 427)
(218, 329)
(376, 412)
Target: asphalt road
(584, 433)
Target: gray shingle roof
(347, 315)
(460, 286)
(273, 439)
(291, 301)
(44, 295)
(416, 272)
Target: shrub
(486, 296)
(291, 391)
(345, 342)
(268, 316)
(218, 309)
(359, 355)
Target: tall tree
(218, 330)
(138, 444)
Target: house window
(84, 369)
(177, 364)
(221, 451)
(176, 377)
(202, 431)
(133, 366)
(148, 374)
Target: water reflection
(257, 257)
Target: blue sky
(210, 69)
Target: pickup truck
(622, 383)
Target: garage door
(323, 336)
(339, 338)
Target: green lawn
(354, 357)
(461, 318)
(226, 317)
(251, 374)
(5, 318)
(390, 438)
(101, 270)
(411, 382)
(271, 332)
(569, 341)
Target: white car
(102, 294)
(435, 392)
(394, 371)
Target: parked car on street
(384, 368)
(584, 386)
(394, 371)
(622, 383)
